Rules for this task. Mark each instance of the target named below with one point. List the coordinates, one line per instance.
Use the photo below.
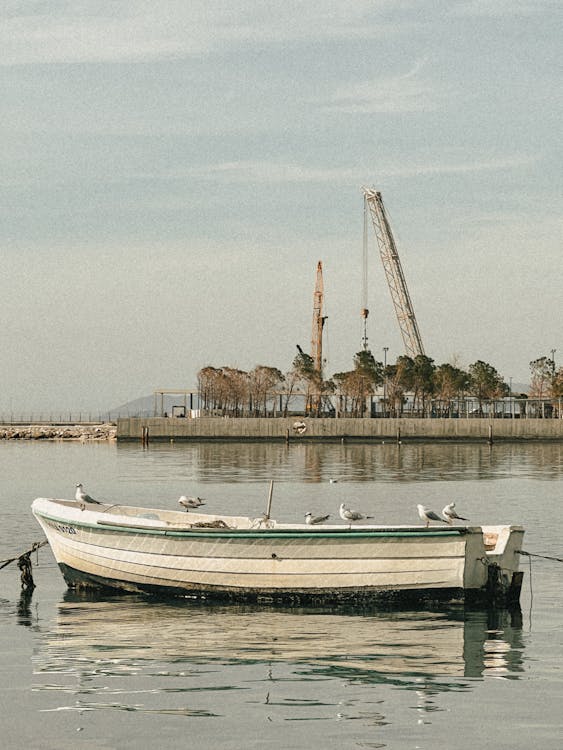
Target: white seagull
(190, 502)
(450, 515)
(346, 514)
(312, 520)
(428, 515)
(82, 497)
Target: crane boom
(318, 321)
(394, 273)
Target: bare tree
(262, 382)
(450, 382)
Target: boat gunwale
(285, 531)
(274, 533)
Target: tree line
(433, 389)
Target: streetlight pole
(385, 350)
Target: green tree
(557, 384)
(543, 375)
(358, 384)
(422, 375)
(485, 383)
(310, 379)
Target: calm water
(124, 672)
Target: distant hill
(144, 406)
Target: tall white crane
(394, 273)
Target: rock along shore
(79, 432)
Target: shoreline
(75, 432)
(327, 430)
(243, 430)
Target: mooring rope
(24, 564)
(35, 546)
(544, 557)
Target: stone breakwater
(77, 432)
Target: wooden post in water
(490, 439)
(398, 436)
(144, 437)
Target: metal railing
(58, 418)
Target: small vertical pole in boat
(270, 493)
(145, 436)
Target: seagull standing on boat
(428, 515)
(312, 520)
(450, 515)
(347, 514)
(190, 502)
(83, 497)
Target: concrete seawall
(331, 430)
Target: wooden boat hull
(230, 558)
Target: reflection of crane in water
(394, 273)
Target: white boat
(147, 550)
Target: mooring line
(544, 557)
(35, 546)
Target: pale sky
(172, 172)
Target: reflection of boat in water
(147, 550)
(376, 646)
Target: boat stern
(492, 563)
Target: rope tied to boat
(24, 564)
(543, 557)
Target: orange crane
(394, 273)
(318, 321)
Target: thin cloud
(278, 172)
(407, 92)
(503, 8)
(64, 31)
